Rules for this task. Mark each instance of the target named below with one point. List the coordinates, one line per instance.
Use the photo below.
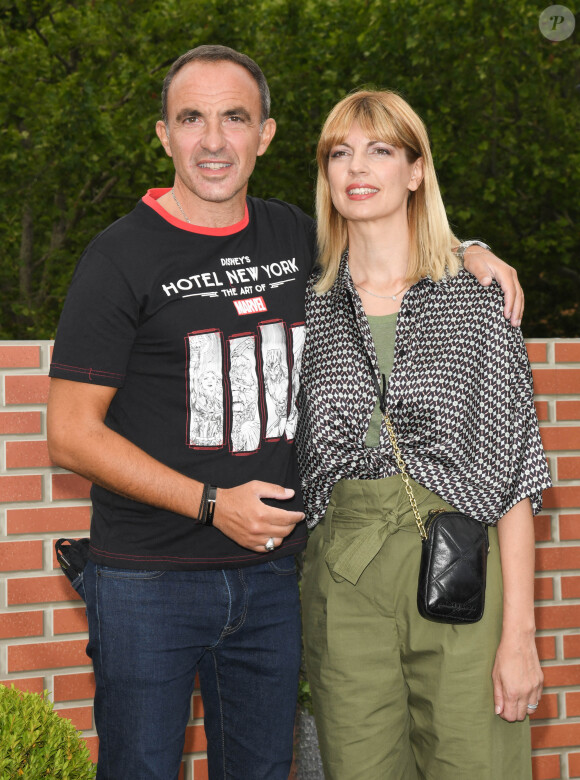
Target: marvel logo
(250, 305)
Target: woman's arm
(517, 676)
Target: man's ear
(163, 135)
(268, 132)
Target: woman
(397, 696)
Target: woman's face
(370, 179)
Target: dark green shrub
(35, 742)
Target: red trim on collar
(152, 196)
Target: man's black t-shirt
(202, 331)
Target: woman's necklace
(384, 297)
(181, 209)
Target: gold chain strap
(404, 475)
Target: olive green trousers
(398, 697)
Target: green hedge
(35, 742)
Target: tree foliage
(81, 85)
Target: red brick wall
(42, 622)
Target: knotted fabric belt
(361, 516)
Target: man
(185, 576)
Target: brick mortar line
(554, 397)
(563, 424)
(49, 670)
(77, 702)
(24, 437)
(43, 503)
(49, 674)
(28, 342)
(47, 629)
(44, 640)
(559, 647)
(30, 406)
(32, 608)
(26, 370)
(555, 365)
(23, 471)
(4, 660)
(562, 602)
(46, 536)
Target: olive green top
(383, 330)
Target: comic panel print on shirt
(275, 371)
(246, 426)
(245, 392)
(297, 338)
(205, 389)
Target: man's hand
(244, 517)
(485, 266)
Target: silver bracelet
(464, 245)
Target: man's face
(213, 131)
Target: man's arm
(485, 266)
(79, 440)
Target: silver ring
(533, 706)
(270, 545)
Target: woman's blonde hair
(384, 116)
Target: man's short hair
(216, 53)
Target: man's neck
(203, 213)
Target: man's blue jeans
(149, 632)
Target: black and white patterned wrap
(460, 396)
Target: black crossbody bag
(454, 548)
